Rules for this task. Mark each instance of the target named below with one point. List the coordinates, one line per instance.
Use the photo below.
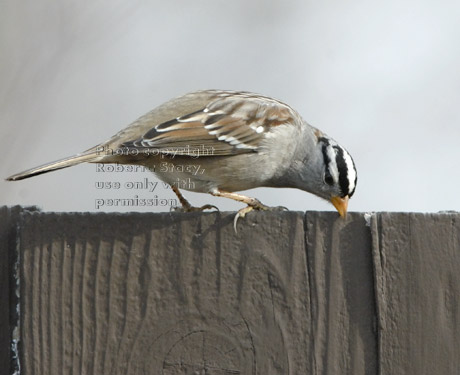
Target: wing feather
(230, 123)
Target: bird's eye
(328, 178)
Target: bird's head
(331, 173)
(337, 176)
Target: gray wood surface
(164, 294)
(5, 335)
(9, 299)
(290, 293)
(339, 260)
(417, 259)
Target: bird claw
(256, 206)
(241, 213)
(194, 209)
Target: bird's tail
(87, 156)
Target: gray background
(383, 79)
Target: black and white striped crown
(340, 167)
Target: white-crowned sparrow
(238, 140)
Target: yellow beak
(341, 205)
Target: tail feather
(55, 165)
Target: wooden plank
(165, 294)
(5, 334)
(342, 295)
(9, 299)
(289, 294)
(417, 258)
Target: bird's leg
(186, 206)
(184, 202)
(252, 204)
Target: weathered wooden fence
(290, 293)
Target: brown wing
(230, 123)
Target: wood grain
(342, 305)
(9, 298)
(164, 294)
(5, 332)
(417, 258)
(290, 293)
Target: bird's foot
(186, 206)
(254, 205)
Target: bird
(239, 140)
